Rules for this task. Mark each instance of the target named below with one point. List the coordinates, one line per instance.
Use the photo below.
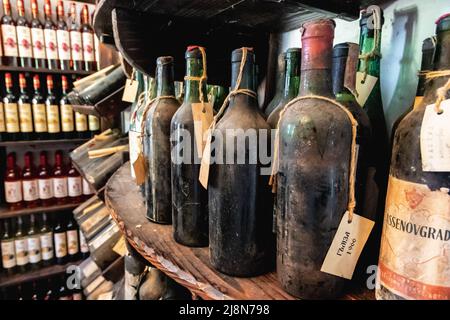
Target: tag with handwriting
(206, 161)
(130, 91)
(364, 89)
(347, 246)
(203, 117)
(435, 139)
(140, 169)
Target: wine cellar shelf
(188, 266)
(10, 280)
(32, 143)
(6, 213)
(43, 70)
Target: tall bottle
(87, 34)
(7, 248)
(11, 111)
(291, 84)
(13, 183)
(39, 111)
(189, 198)
(25, 45)
(46, 239)
(414, 264)
(45, 182)
(240, 203)
(25, 112)
(76, 43)
(73, 248)
(37, 38)
(279, 86)
(9, 36)
(67, 114)
(63, 38)
(60, 240)
(34, 244)
(157, 145)
(74, 184)
(59, 179)
(21, 246)
(52, 109)
(30, 182)
(313, 174)
(51, 42)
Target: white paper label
(60, 187)
(24, 41)
(364, 88)
(52, 118)
(30, 190)
(9, 40)
(51, 47)
(8, 254)
(87, 190)
(13, 191)
(45, 189)
(26, 119)
(39, 118)
(88, 46)
(134, 140)
(72, 241)
(74, 186)
(83, 244)
(435, 139)
(34, 249)
(60, 245)
(37, 36)
(67, 121)
(76, 45)
(94, 123)
(21, 251)
(63, 44)
(80, 122)
(12, 117)
(47, 245)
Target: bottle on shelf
(81, 125)
(46, 238)
(45, 182)
(30, 182)
(37, 38)
(9, 36)
(21, 246)
(2, 121)
(7, 248)
(67, 114)
(279, 84)
(74, 182)
(60, 240)
(88, 191)
(59, 179)
(94, 125)
(39, 111)
(13, 184)
(63, 293)
(76, 43)
(87, 34)
(51, 42)
(34, 244)
(73, 243)
(25, 112)
(11, 111)
(24, 37)
(52, 109)
(84, 248)
(63, 37)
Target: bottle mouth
(366, 15)
(293, 53)
(321, 28)
(428, 44)
(342, 50)
(164, 60)
(236, 55)
(443, 23)
(194, 52)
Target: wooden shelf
(32, 143)
(45, 272)
(188, 266)
(6, 213)
(44, 70)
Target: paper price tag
(347, 245)
(130, 91)
(140, 169)
(435, 139)
(206, 161)
(364, 89)
(203, 117)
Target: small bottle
(24, 37)
(39, 112)
(59, 178)
(73, 248)
(30, 182)
(67, 118)
(21, 246)
(74, 185)
(51, 43)
(25, 112)
(11, 111)
(60, 240)
(52, 109)
(37, 37)
(7, 248)
(46, 238)
(34, 244)
(45, 182)
(84, 248)
(62, 34)
(13, 183)
(9, 37)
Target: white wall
(407, 24)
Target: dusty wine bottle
(279, 86)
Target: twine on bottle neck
(202, 78)
(352, 174)
(374, 53)
(441, 93)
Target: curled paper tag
(364, 88)
(130, 91)
(203, 117)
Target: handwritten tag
(206, 161)
(130, 91)
(203, 117)
(140, 169)
(435, 139)
(364, 89)
(347, 246)
(120, 247)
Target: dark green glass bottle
(279, 86)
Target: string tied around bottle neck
(374, 53)
(441, 93)
(203, 77)
(353, 154)
(153, 102)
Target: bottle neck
(194, 68)
(11, 162)
(164, 75)
(34, 11)
(58, 160)
(292, 78)
(367, 43)
(43, 161)
(20, 9)
(6, 8)
(27, 161)
(247, 82)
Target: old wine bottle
(74, 184)
(46, 238)
(279, 86)
(59, 179)
(313, 174)
(9, 36)
(240, 202)
(24, 43)
(73, 248)
(25, 112)
(39, 112)
(7, 248)
(60, 240)
(30, 182)
(67, 114)
(51, 42)
(34, 244)
(76, 43)
(414, 264)
(37, 38)
(87, 34)
(94, 125)
(52, 109)
(189, 198)
(21, 246)
(63, 38)
(157, 145)
(291, 84)
(13, 184)
(11, 111)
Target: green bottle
(281, 69)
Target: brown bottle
(30, 182)
(24, 37)
(59, 179)
(51, 42)
(87, 34)
(9, 36)
(45, 182)
(13, 183)
(37, 38)
(63, 38)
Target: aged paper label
(130, 91)
(120, 247)
(415, 246)
(347, 245)
(206, 161)
(364, 89)
(203, 117)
